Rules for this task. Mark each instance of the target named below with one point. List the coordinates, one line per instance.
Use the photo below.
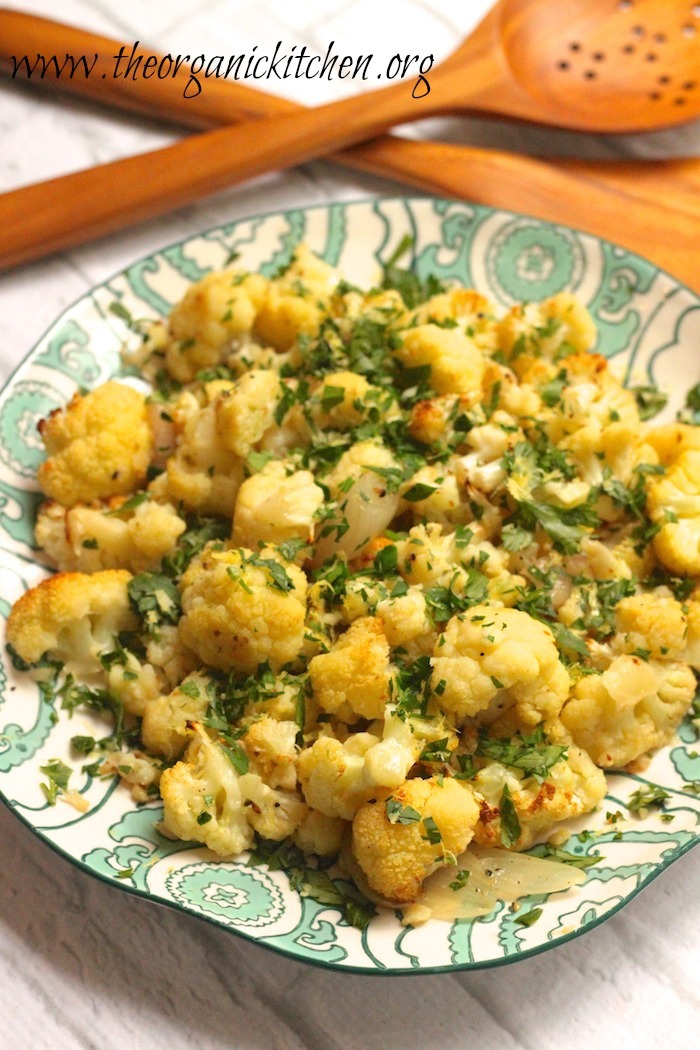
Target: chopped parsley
(510, 825)
(58, 774)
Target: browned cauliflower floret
(205, 324)
(98, 446)
(404, 616)
(455, 361)
(541, 329)
(500, 666)
(165, 729)
(247, 409)
(629, 709)
(473, 313)
(673, 503)
(296, 301)
(354, 679)
(73, 618)
(655, 623)
(403, 835)
(92, 538)
(243, 608)
(344, 400)
(574, 785)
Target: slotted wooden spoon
(588, 68)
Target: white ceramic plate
(644, 317)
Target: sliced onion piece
(366, 512)
(494, 875)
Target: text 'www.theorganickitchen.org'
(293, 63)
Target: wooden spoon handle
(666, 235)
(65, 211)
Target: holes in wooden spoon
(651, 56)
(638, 31)
(590, 74)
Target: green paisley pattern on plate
(236, 896)
(642, 315)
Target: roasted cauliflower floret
(654, 623)
(165, 729)
(246, 410)
(167, 653)
(98, 446)
(338, 777)
(203, 474)
(628, 709)
(72, 618)
(354, 679)
(213, 314)
(402, 835)
(203, 800)
(133, 682)
(296, 301)
(242, 608)
(272, 750)
(94, 538)
(474, 314)
(404, 616)
(455, 361)
(427, 556)
(344, 400)
(276, 505)
(319, 834)
(333, 776)
(542, 329)
(673, 503)
(573, 786)
(499, 666)
(273, 813)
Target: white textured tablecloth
(83, 965)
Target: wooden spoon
(583, 70)
(586, 65)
